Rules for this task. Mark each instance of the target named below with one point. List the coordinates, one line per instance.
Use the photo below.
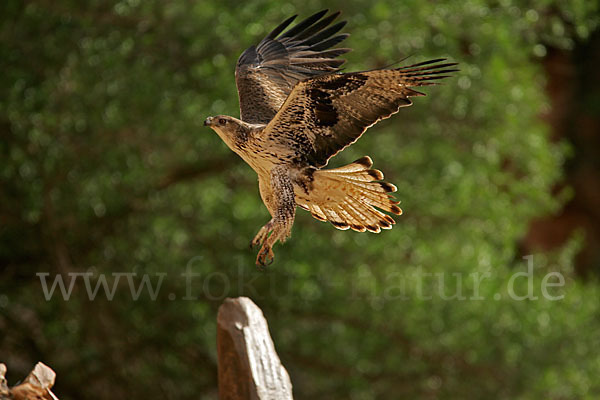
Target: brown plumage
(298, 111)
(266, 73)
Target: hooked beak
(208, 121)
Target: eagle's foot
(265, 256)
(262, 235)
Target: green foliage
(105, 167)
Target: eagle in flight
(298, 110)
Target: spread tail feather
(348, 196)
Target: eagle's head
(231, 130)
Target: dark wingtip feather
(320, 36)
(364, 161)
(375, 174)
(426, 66)
(300, 26)
(280, 27)
(325, 44)
(427, 72)
(311, 31)
(336, 52)
(340, 225)
(372, 228)
(358, 228)
(388, 187)
(396, 210)
(424, 63)
(384, 224)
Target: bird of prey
(298, 110)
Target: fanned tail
(350, 197)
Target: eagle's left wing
(324, 114)
(266, 73)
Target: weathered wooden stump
(249, 367)
(36, 386)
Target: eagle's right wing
(325, 114)
(265, 74)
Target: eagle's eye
(222, 121)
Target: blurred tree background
(105, 167)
